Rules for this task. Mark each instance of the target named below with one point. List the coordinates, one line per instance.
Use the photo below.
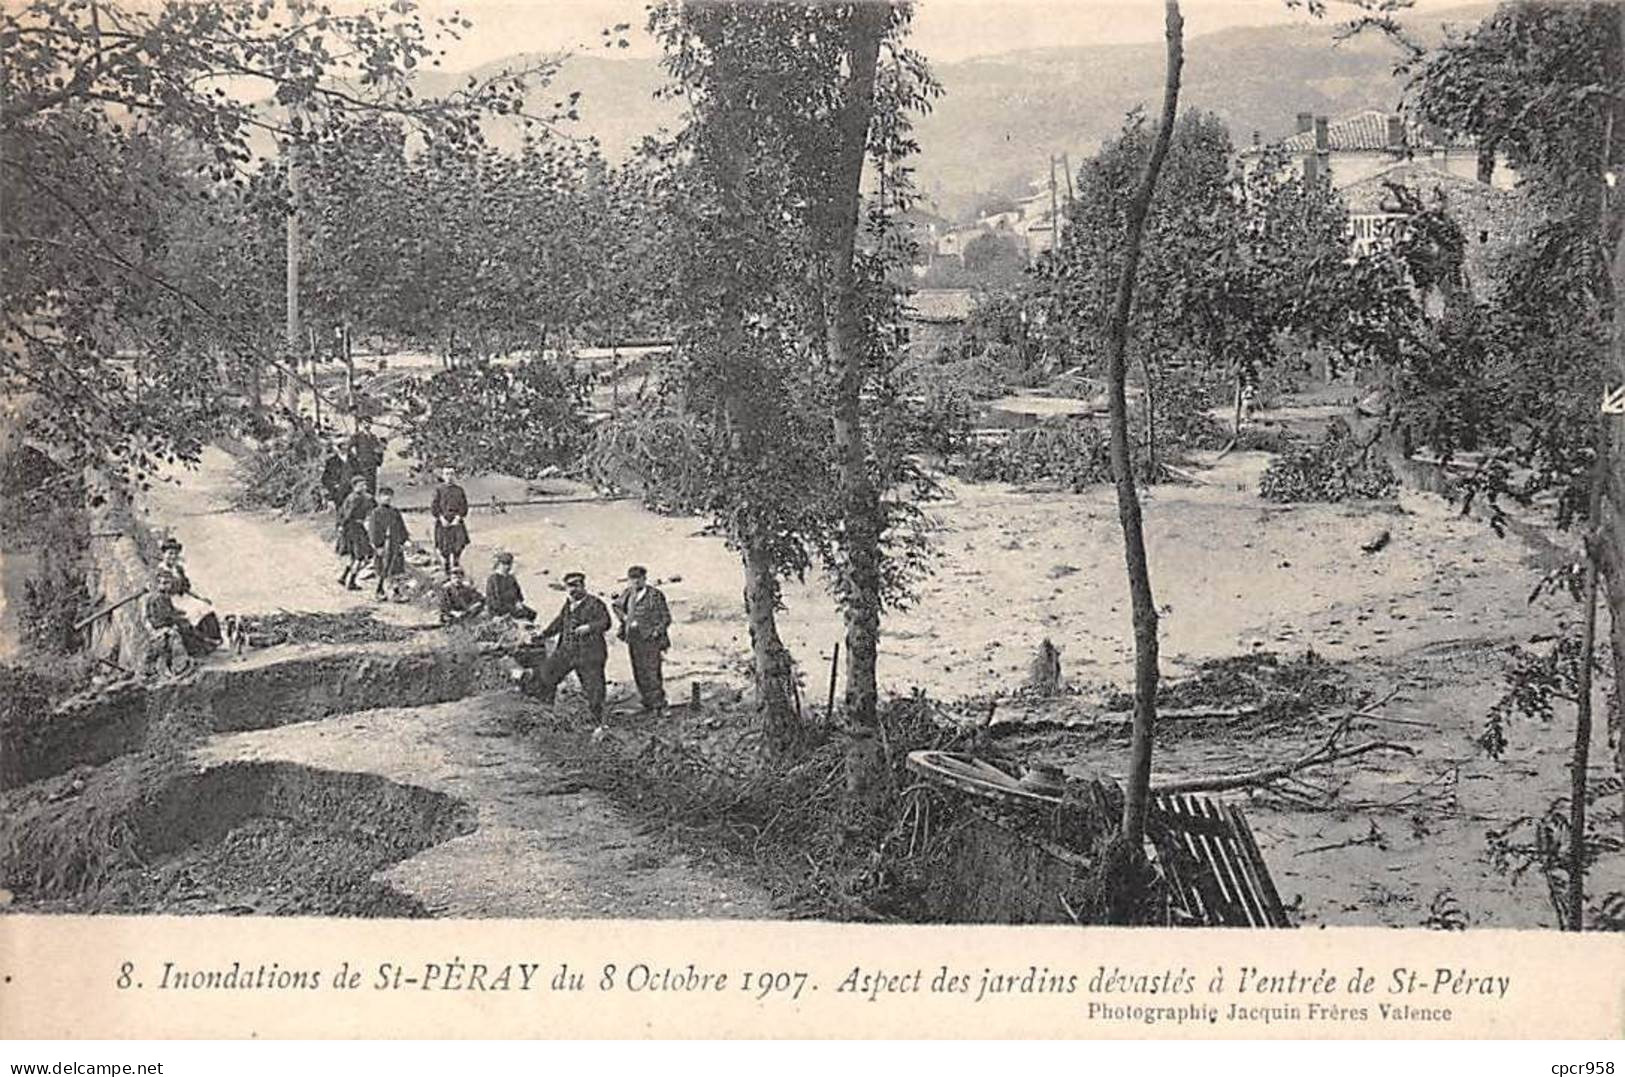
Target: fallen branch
(1270, 774)
(1327, 752)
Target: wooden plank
(1223, 844)
(1249, 869)
(1272, 898)
(1233, 863)
(1221, 901)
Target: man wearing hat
(335, 475)
(580, 628)
(169, 581)
(503, 597)
(450, 510)
(645, 618)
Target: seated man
(503, 596)
(459, 601)
(170, 626)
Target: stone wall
(115, 570)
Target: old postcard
(682, 518)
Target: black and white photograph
(1153, 464)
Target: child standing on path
(450, 509)
(387, 530)
(354, 543)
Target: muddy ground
(1424, 620)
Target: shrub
(524, 419)
(1074, 453)
(1336, 468)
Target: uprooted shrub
(1074, 453)
(1335, 468)
(525, 419)
(283, 472)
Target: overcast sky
(943, 29)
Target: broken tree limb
(1267, 775)
(1327, 752)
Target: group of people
(577, 632)
(372, 531)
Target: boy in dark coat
(580, 628)
(459, 601)
(387, 530)
(503, 596)
(450, 509)
(354, 543)
(644, 618)
(335, 477)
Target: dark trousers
(589, 671)
(651, 684)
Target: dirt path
(542, 847)
(255, 562)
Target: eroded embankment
(266, 689)
(157, 834)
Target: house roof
(1367, 130)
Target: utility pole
(292, 337)
(1054, 218)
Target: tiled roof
(1366, 130)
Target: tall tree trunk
(1609, 525)
(860, 500)
(772, 670)
(1136, 800)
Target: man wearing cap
(450, 510)
(503, 597)
(580, 628)
(645, 618)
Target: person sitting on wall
(169, 625)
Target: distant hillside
(1001, 116)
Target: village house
(1364, 144)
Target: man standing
(335, 476)
(644, 619)
(503, 596)
(366, 456)
(387, 530)
(354, 543)
(580, 628)
(450, 509)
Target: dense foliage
(523, 419)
